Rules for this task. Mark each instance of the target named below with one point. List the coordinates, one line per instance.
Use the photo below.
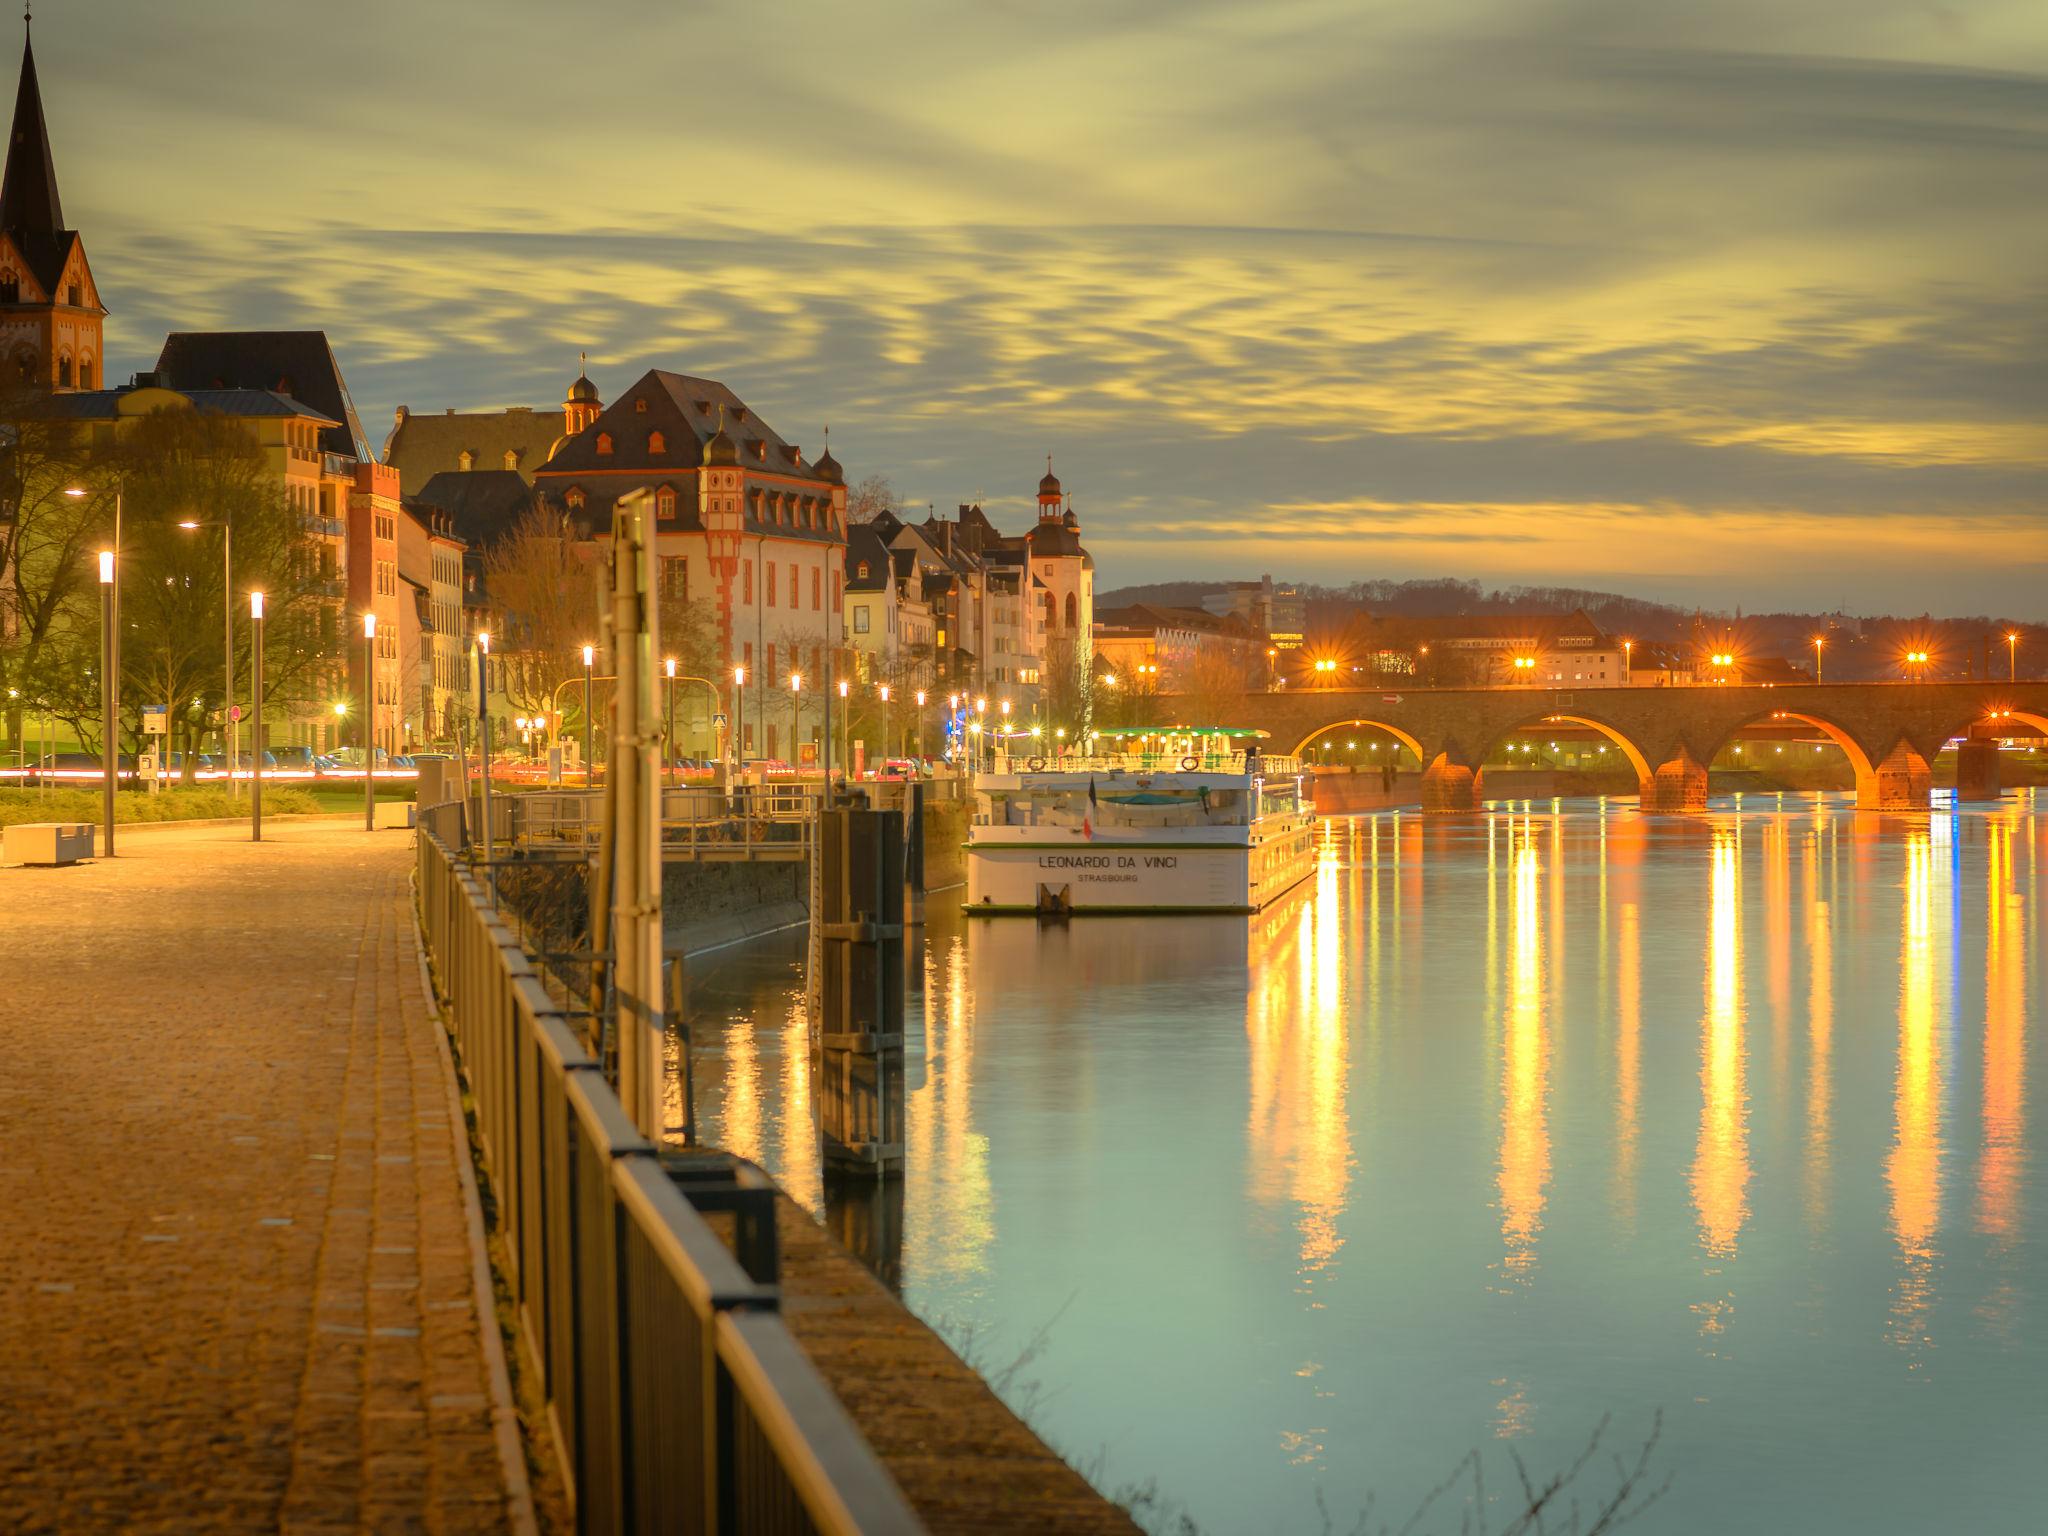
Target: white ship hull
(1196, 869)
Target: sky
(1722, 302)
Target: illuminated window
(511, 458)
(863, 570)
(860, 619)
(604, 442)
(465, 460)
(656, 443)
(640, 405)
(575, 498)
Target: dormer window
(863, 568)
(511, 458)
(604, 442)
(575, 498)
(656, 443)
(760, 447)
(665, 501)
(465, 460)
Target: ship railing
(1272, 765)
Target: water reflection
(1338, 1192)
(1720, 1170)
(1913, 1170)
(1525, 1068)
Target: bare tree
(871, 498)
(47, 540)
(543, 586)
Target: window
(10, 288)
(772, 674)
(85, 373)
(817, 589)
(863, 570)
(656, 443)
(749, 597)
(1072, 621)
(511, 458)
(860, 618)
(64, 371)
(604, 442)
(770, 583)
(74, 296)
(1050, 616)
(794, 573)
(665, 501)
(640, 405)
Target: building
(890, 628)
(1158, 649)
(1275, 612)
(745, 525)
(349, 502)
(50, 310)
(433, 638)
(1486, 650)
(517, 440)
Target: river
(1502, 1126)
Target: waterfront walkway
(237, 1278)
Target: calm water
(1502, 1125)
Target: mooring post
(913, 855)
(859, 1055)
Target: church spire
(28, 196)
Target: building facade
(519, 439)
(50, 311)
(751, 539)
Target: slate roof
(104, 404)
(865, 544)
(421, 446)
(684, 409)
(1149, 618)
(31, 212)
(295, 363)
(483, 504)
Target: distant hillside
(1162, 594)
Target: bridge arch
(1395, 731)
(1859, 759)
(1637, 758)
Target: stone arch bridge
(1890, 732)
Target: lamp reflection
(955, 1202)
(1525, 1070)
(1720, 1171)
(1628, 1047)
(1913, 1170)
(2005, 1045)
(1299, 1131)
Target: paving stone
(229, 1156)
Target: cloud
(1632, 290)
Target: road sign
(234, 711)
(156, 720)
(718, 718)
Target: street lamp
(920, 725)
(1916, 664)
(79, 493)
(668, 730)
(110, 696)
(2012, 655)
(483, 722)
(845, 734)
(739, 716)
(227, 673)
(796, 688)
(1818, 642)
(1628, 663)
(369, 718)
(255, 717)
(589, 763)
(885, 722)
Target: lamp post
(2012, 655)
(845, 734)
(227, 669)
(980, 728)
(369, 719)
(885, 722)
(1818, 642)
(1628, 663)
(110, 696)
(920, 725)
(255, 717)
(739, 718)
(78, 493)
(668, 729)
(1005, 707)
(589, 764)
(796, 688)
(483, 722)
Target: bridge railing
(1271, 764)
(678, 1398)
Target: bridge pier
(1449, 788)
(1899, 783)
(1977, 770)
(1677, 785)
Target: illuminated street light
(2012, 655)
(1818, 642)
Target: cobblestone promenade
(236, 1270)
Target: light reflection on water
(1502, 1124)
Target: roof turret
(718, 447)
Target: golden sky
(1726, 303)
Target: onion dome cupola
(827, 466)
(719, 448)
(1049, 492)
(581, 406)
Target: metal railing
(1271, 764)
(677, 1396)
(768, 822)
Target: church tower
(50, 311)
